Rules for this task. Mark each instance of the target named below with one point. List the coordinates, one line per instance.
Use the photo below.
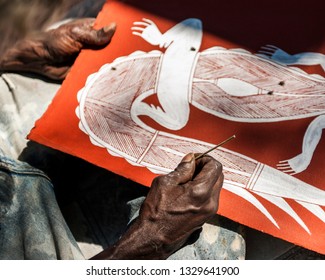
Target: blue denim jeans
(31, 224)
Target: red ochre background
(231, 24)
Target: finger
(137, 28)
(148, 21)
(214, 195)
(95, 37)
(104, 35)
(140, 23)
(137, 34)
(207, 183)
(184, 171)
(207, 171)
(217, 187)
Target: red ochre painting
(165, 87)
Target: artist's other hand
(51, 53)
(177, 204)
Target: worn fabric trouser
(31, 224)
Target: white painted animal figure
(232, 84)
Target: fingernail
(92, 22)
(110, 27)
(188, 158)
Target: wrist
(141, 241)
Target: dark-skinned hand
(51, 53)
(177, 204)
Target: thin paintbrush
(215, 147)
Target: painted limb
(271, 181)
(311, 139)
(174, 78)
(315, 209)
(305, 58)
(148, 31)
(251, 199)
(139, 108)
(283, 205)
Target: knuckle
(198, 193)
(157, 181)
(215, 162)
(162, 180)
(205, 209)
(218, 164)
(216, 169)
(210, 208)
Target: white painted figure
(232, 84)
